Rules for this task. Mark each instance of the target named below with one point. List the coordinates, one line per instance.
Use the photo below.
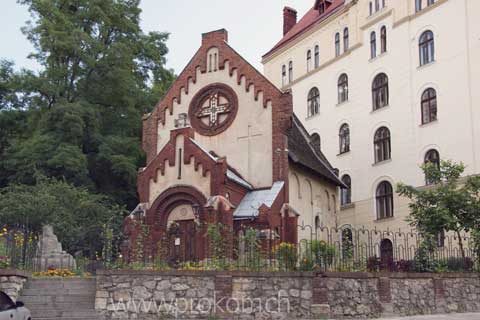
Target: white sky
(254, 26)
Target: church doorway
(182, 235)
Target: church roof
(301, 152)
(311, 18)
(253, 200)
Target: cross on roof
(214, 109)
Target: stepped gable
(239, 67)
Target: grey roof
(236, 178)
(253, 200)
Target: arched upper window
(384, 200)
(337, 44)
(377, 5)
(432, 156)
(342, 87)
(430, 2)
(382, 145)
(309, 60)
(317, 56)
(383, 39)
(290, 71)
(370, 7)
(373, 45)
(380, 91)
(284, 75)
(429, 106)
(316, 142)
(344, 138)
(313, 102)
(346, 193)
(327, 197)
(345, 40)
(427, 48)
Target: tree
(78, 216)
(451, 204)
(79, 118)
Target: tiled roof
(301, 152)
(311, 18)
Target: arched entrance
(178, 216)
(386, 254)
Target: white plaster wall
(455, 75)
(250, 113)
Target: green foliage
(79, 118)
(450, 205)
(286, 256)
(253, 253)
(217, 246)
(77, 215)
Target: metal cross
(213, 110)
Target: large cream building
(386, 84)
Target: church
(223, 146)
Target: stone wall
(12, 281)
(295, 295)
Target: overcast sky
(254, 26)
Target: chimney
(289, 19)
(213, 36)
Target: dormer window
(322, 5)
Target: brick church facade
(222, 146)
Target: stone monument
(50, 254)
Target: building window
(346, 193)
(380, 91)
(382, 145)
(313, 102)
(430, 2)
(317, 223)
(290, 71)
(418, 5)
(429, 106)
(284, 75)
(441, 239)
(334, 202)
(370, 7)
(345, 40)
(384, 199)
(342, 87)
(432, 156)
(337, 44)
(317, 56)
(373, 45)
(309, 60)
(383, 39)
(344, 138)
(427, 48)
(327, 196)
(316, 142)
(377, 5)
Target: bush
(286, 255)
(322, 253)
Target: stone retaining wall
(12, 281)
(242, 295)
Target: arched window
(342, 86)
(418, 5)
(386, 255)
(377, 5)
(317, 223)
(427, 48)
(290, 71)
(430, 2)
(346, 193)
(344, 138)
(432, 156)
(334, 202)
(373, 45)
(380, 91)
(313, 102)
(345, 39)
(384, 199)
(370, 6)
(317, 56)
(347, 243)
(382, 145)
(337, 44)
(429, 106)
(327, 197)
(383, 39)
(315, 141)
(309, 60)
(284, 75)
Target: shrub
(323, 253)
(286, 255)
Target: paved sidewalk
(460, 316)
